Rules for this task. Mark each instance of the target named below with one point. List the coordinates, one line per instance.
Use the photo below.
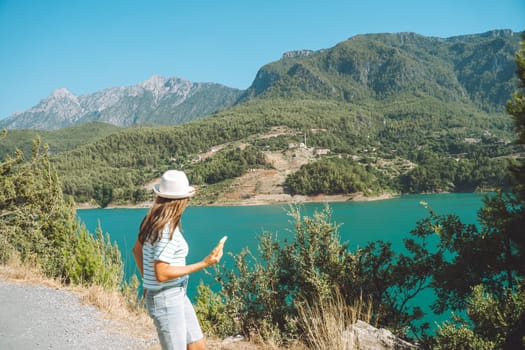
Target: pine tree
(516, 108)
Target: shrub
(260, 296)
(94, 260)
(40, 226)
(212, 312)
(495, 322)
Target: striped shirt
(172, 251)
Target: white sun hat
(174, 184)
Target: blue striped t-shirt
(172, 251)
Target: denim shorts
(174, 317)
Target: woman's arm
(165, 272)
(137, 253)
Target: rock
(362, 336)
(235, 339)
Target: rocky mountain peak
(498, 33)
(155, 83)
(160, 86)
(61, 102)
(297, 53)
(62, 93)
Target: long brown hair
(164, 211)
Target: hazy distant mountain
(158, 100)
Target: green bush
(261, 295)
(213, 313)
(495, 323)
(94, 260)
(40, 226)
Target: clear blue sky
(89, 45)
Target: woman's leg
(194, 333)
(167, 310)
(198, 345)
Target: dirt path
(40, 314)
(39, 317)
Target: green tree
(103, 194)
(516, 108)
(483, 269)
(40, 226)
(35, 218)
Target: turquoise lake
(360, 222)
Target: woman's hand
(165, 272)
(215, 255)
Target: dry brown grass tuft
(325, 323)
(14, 270)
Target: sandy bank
(261, 199)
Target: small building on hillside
(321, 151)
(293, 145)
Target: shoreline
(273, 199)
(261, 199)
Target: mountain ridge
(157, 100)
(476, 68)
(472, 68)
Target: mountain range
(158, 100)
(477, 69)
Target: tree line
(115, 168)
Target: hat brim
(191, 192)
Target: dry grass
(114, 306)
(14, 270)
(327, 322)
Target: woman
(160, 253)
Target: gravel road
(38, 317)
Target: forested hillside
(396, 113)
(476, 69)
(462, 158)
(58, 140)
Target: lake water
(361, 222)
